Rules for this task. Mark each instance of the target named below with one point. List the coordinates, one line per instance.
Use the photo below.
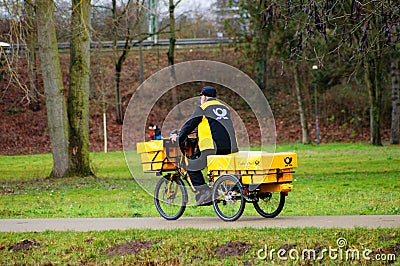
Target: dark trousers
(197, 178)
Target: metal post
(315, 68)
(152, 19)
(141, 75)
(105, 131)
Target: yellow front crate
(153, 156)
(150, 146)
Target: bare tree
(360, 33)
(126, 20)
(370, 38)
(31, 41)
(53, 87)
(79, 89)
(300, 102)
(12, 31)
(171, 52)
(172, 32)
(69, 128)
(253, 30)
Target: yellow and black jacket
(215, 128)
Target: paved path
(98, 224)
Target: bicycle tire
(171, 206)
(228, 199)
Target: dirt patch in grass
(24, 245)
(232, 249)
(288, 247)
(388, 254)
(129, 248)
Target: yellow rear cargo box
(255, 167)
(252, 160)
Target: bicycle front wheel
(170, 198)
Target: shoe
(204, 197)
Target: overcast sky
(204, 4)
(192, 6)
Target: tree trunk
(118, 70)
(53, 87)
(117, 66)
(79, 89)
(372, 79)
(300, 102)
(172, 38)
(118, 101)
(119, 61)
(262, 39)
(171, 52)
(31, 41)
(394, 130)
(261, 68)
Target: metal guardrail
(162, 42)
(12, 48)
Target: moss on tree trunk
(79, 90)
(373, 71)
(394, 128)
(53, 87)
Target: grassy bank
(332, 179)
(199, 247)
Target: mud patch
(24, 245)
(287, 247)
(387, 255)
(129, 248)
(232, 249)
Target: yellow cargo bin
(252, 160)
(150, 146)
(221, 162)
(284, 160)
(153, 156)
(276, 188)
(254, 167)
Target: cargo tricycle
(260, 178)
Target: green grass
(199, 247)
(332, 179)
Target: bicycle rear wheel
(269, 204)
(228, 200)
(170, 198)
